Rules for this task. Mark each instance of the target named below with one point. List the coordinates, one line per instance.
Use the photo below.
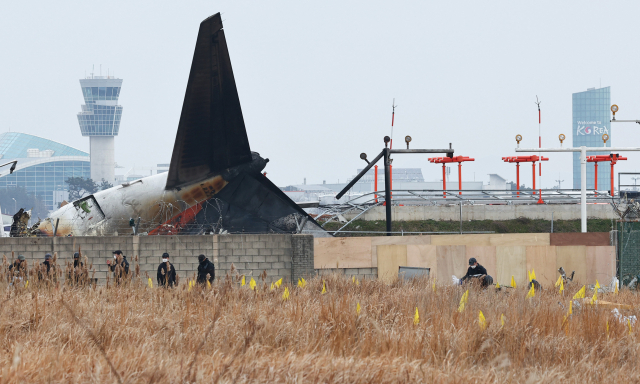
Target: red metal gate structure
(444, 160)
(613, 158)
(525, 159)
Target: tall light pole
(583, 169)
(559, 182)
(15, 205)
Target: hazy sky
(316, 80)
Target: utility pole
(559, 182)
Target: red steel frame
(444, 161)
(613, 158)
(525, 159)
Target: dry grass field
(136, 334)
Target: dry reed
(234, 334)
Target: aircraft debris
(215, 183)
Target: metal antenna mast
(538, 102)
(393, 115)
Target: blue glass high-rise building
(100, 120)
(591, 119)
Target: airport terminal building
(591, 119)
(43, 166)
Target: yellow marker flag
(561, 286)
(597, 284)
(357, 282)
(502, 318)
(629, 322)
(570, 308)
(595, 297)
(285, 294)
(208, 284)
(559, 281)
(26, 284)
(324, 288)
(252, 284)
(299, 283)
(513, 282)
(353, 279)
(416, 317)
(304, 282)
(615, 291)
(482, 321)
(278, 283)
(272, 287)
(433, 285)
(358, 309)
(529, 274)
(533, 274)
(463, 301)
(607, 328)
(579, 294)
(531, 293)
(242, 281)
(497, 285)
(190, 286)
(150, 283)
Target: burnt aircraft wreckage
(214, 184)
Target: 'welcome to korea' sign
(591, 128)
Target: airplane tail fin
(211, 133)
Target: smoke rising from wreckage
(215, 182)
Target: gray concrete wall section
(250, 254)
(302, 257)
(488, 212)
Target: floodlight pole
(583, 171)
(386, 155)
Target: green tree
(104, 185)
(80, 187)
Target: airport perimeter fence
(628, 250)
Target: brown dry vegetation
(233, 334)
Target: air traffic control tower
(100, 120)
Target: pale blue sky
(316, 80)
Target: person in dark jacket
(477, 271)
(120, 261)
(166, 272)
(205, 268)
(76, 261)
(18, 269)
(45, 268)
(76, 272)
(20, 265)
(47, 262)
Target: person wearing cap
(166, 272)
(19, 264)
(475, 270)
(47, 261)
(45, 272)
(205, 268)
(76, 271)
(119, 260)
(18, 269)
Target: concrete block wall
(253, 254)
(250, 254)
(302, 263)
